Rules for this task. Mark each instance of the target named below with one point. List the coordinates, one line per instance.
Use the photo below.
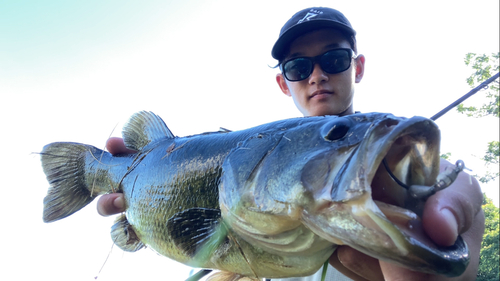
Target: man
(319, 64)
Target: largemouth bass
(271, 201)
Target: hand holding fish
(462, 198)
(112, 204)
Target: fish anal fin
(143, 128)
(124, 236)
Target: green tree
(484, 67)
(446, 156)
(488, 259)
(491, 159)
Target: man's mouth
(320, 93)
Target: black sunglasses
(333, 61)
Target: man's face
(322, 93)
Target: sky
(76, 70)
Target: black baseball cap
(307, 20)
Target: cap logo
(310, 15)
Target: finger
(393, 272)
(473, 237)
(451, 211)
(335, 262)
(117, 146)
(356, 265)
(110, 204)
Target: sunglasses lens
(336, 61)
(331, 62)
(297, 69)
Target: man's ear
(280, 79)
(360, 68)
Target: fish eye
(337, 130)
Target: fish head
(327, 174)
(378, 215)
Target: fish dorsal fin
(143, 128)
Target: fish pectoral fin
(142, 128)
(198, 232)
(124, 236)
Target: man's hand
(453, 211)
(110, 204)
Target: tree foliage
(484, 67)
(446, 156)
(488, 259)
(491, 159)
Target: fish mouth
(377, 215)
(411, 153)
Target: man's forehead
(306, 52)
(317, 41)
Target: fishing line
(441, 113)
(466, 96)
(106, 260)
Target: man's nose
(318, 75)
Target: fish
(272, 201)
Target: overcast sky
(76, 70)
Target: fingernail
(118, 202)
(451, 220)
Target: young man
(320, 66)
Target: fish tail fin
(64, 166)
(124, 236)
